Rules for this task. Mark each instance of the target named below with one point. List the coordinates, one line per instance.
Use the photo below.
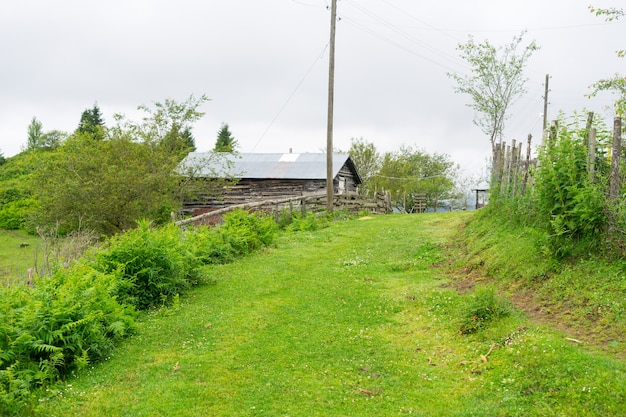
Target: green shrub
(572, 205)
(154, 264)
(14, 214)
(285, 218)
(246, 232)
(307, 222)
(483, 307)
(208, 246)
(61, 324)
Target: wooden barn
(262, 176)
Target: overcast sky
(264, 65)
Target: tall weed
(246, 232)
(307, 222)
(572, 204)
(153, 264)
(566, 194)
(483, 307)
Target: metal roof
(263, 165)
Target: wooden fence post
(303, 207)
(527, 166)
(553, 132)
(591, 165)
(506, 160)
(615, 159)
(518, 161)
(588, 128)
(496, 165)
(510, 169)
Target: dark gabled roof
(304, 166)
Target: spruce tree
(225, 140)
(91, 123)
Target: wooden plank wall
(353, 203)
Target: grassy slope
(15, 259)
(346, 321)
(584, 298)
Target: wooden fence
(512, 172)
(353, 203)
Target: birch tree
(496, 81)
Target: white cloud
(251, 58)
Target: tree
(410, 172)
(178, 142)
(438, 179)
(163, 118)
(104, 185)
(91, 123)
(495, 83)
(167, 124)
(52, 138)
(16, 190)
(108, 185)
(38, 139)
(616, 84)
(35, 131)
(225, 142)
(367, 161)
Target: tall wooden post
(588, 127)
(591, 165)
(527, 165)
(331, 96)
(614, 185)
(614, 180)
(545, 104)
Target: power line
(293, 93)
(404, 34)
(307, 4)
(396, 44)
(537, 29)
(420, 21)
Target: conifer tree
(91, 122)
(225, 142)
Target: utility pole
(545, 104)
(331, 96)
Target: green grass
(583, 296)
(17, 254)
(350, 320)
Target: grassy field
(351, 320)
(17, 254)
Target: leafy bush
(307, 222)
(572, 204)
(61, 324)
(246, 232)
(208, 246)
(563, 197)
(154, 264)
(483, 307)
(14, 215)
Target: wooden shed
(261, 176)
